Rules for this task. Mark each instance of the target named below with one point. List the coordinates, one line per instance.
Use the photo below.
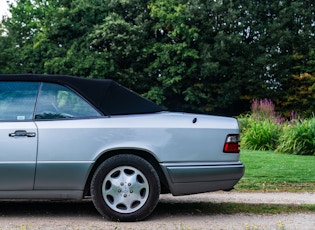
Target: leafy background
(195, 56)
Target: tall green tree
(174, 57)
(201, 56)
(297, 90)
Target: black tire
(125, 188)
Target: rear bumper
(190, 178)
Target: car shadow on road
(86, 208)
(47, 208)
(164, 209)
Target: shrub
(298, 138)
(244, 121)
(261, 135)
(263, 129)
(260, 130)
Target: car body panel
(59, 175)
(42, 194)
(17, 156)
(157, 133)
(188, 178)
(87, 139)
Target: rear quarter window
(58, 102)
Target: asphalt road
(188, 212)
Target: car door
(18, 135)
(64, 138)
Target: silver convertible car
(64, 137)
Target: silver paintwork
(17, 156)
(57, 161)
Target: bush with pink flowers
(264, 129)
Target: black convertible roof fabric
(107, 96)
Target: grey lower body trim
(201, 177)
(43, 194)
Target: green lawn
(270, 171)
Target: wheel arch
(138, 152)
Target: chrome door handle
(22, 133)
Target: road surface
(200, 211)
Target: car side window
(58, 102)
(17, 100)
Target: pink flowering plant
(265, 129)
(261, 129)
(263, 109)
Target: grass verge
(277, 172)
(232, 208)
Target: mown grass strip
(270, 171)
(198, 208)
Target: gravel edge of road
(246, 197)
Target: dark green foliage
(201, 56)
(298, 138)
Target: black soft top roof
(107, 96)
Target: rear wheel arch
(141, 153)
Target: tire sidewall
(125, 160)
